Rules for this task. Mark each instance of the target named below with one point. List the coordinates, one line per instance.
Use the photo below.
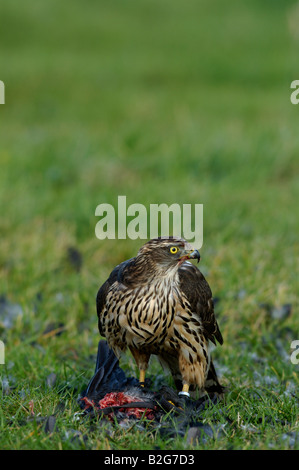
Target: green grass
(163, 102)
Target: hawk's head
(167, 252)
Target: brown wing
(199, 295)
(118, 274)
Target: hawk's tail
(212, 385)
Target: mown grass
(161, 102)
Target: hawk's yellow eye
(174, 250)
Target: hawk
(160, 303)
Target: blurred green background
(175, 102)
(159, 101)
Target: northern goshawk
(160, 303)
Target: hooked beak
(191, 254)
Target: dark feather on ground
(110, 393)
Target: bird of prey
(160, 303)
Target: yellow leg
(185, 390)
(142, 377)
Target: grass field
(174, 102)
